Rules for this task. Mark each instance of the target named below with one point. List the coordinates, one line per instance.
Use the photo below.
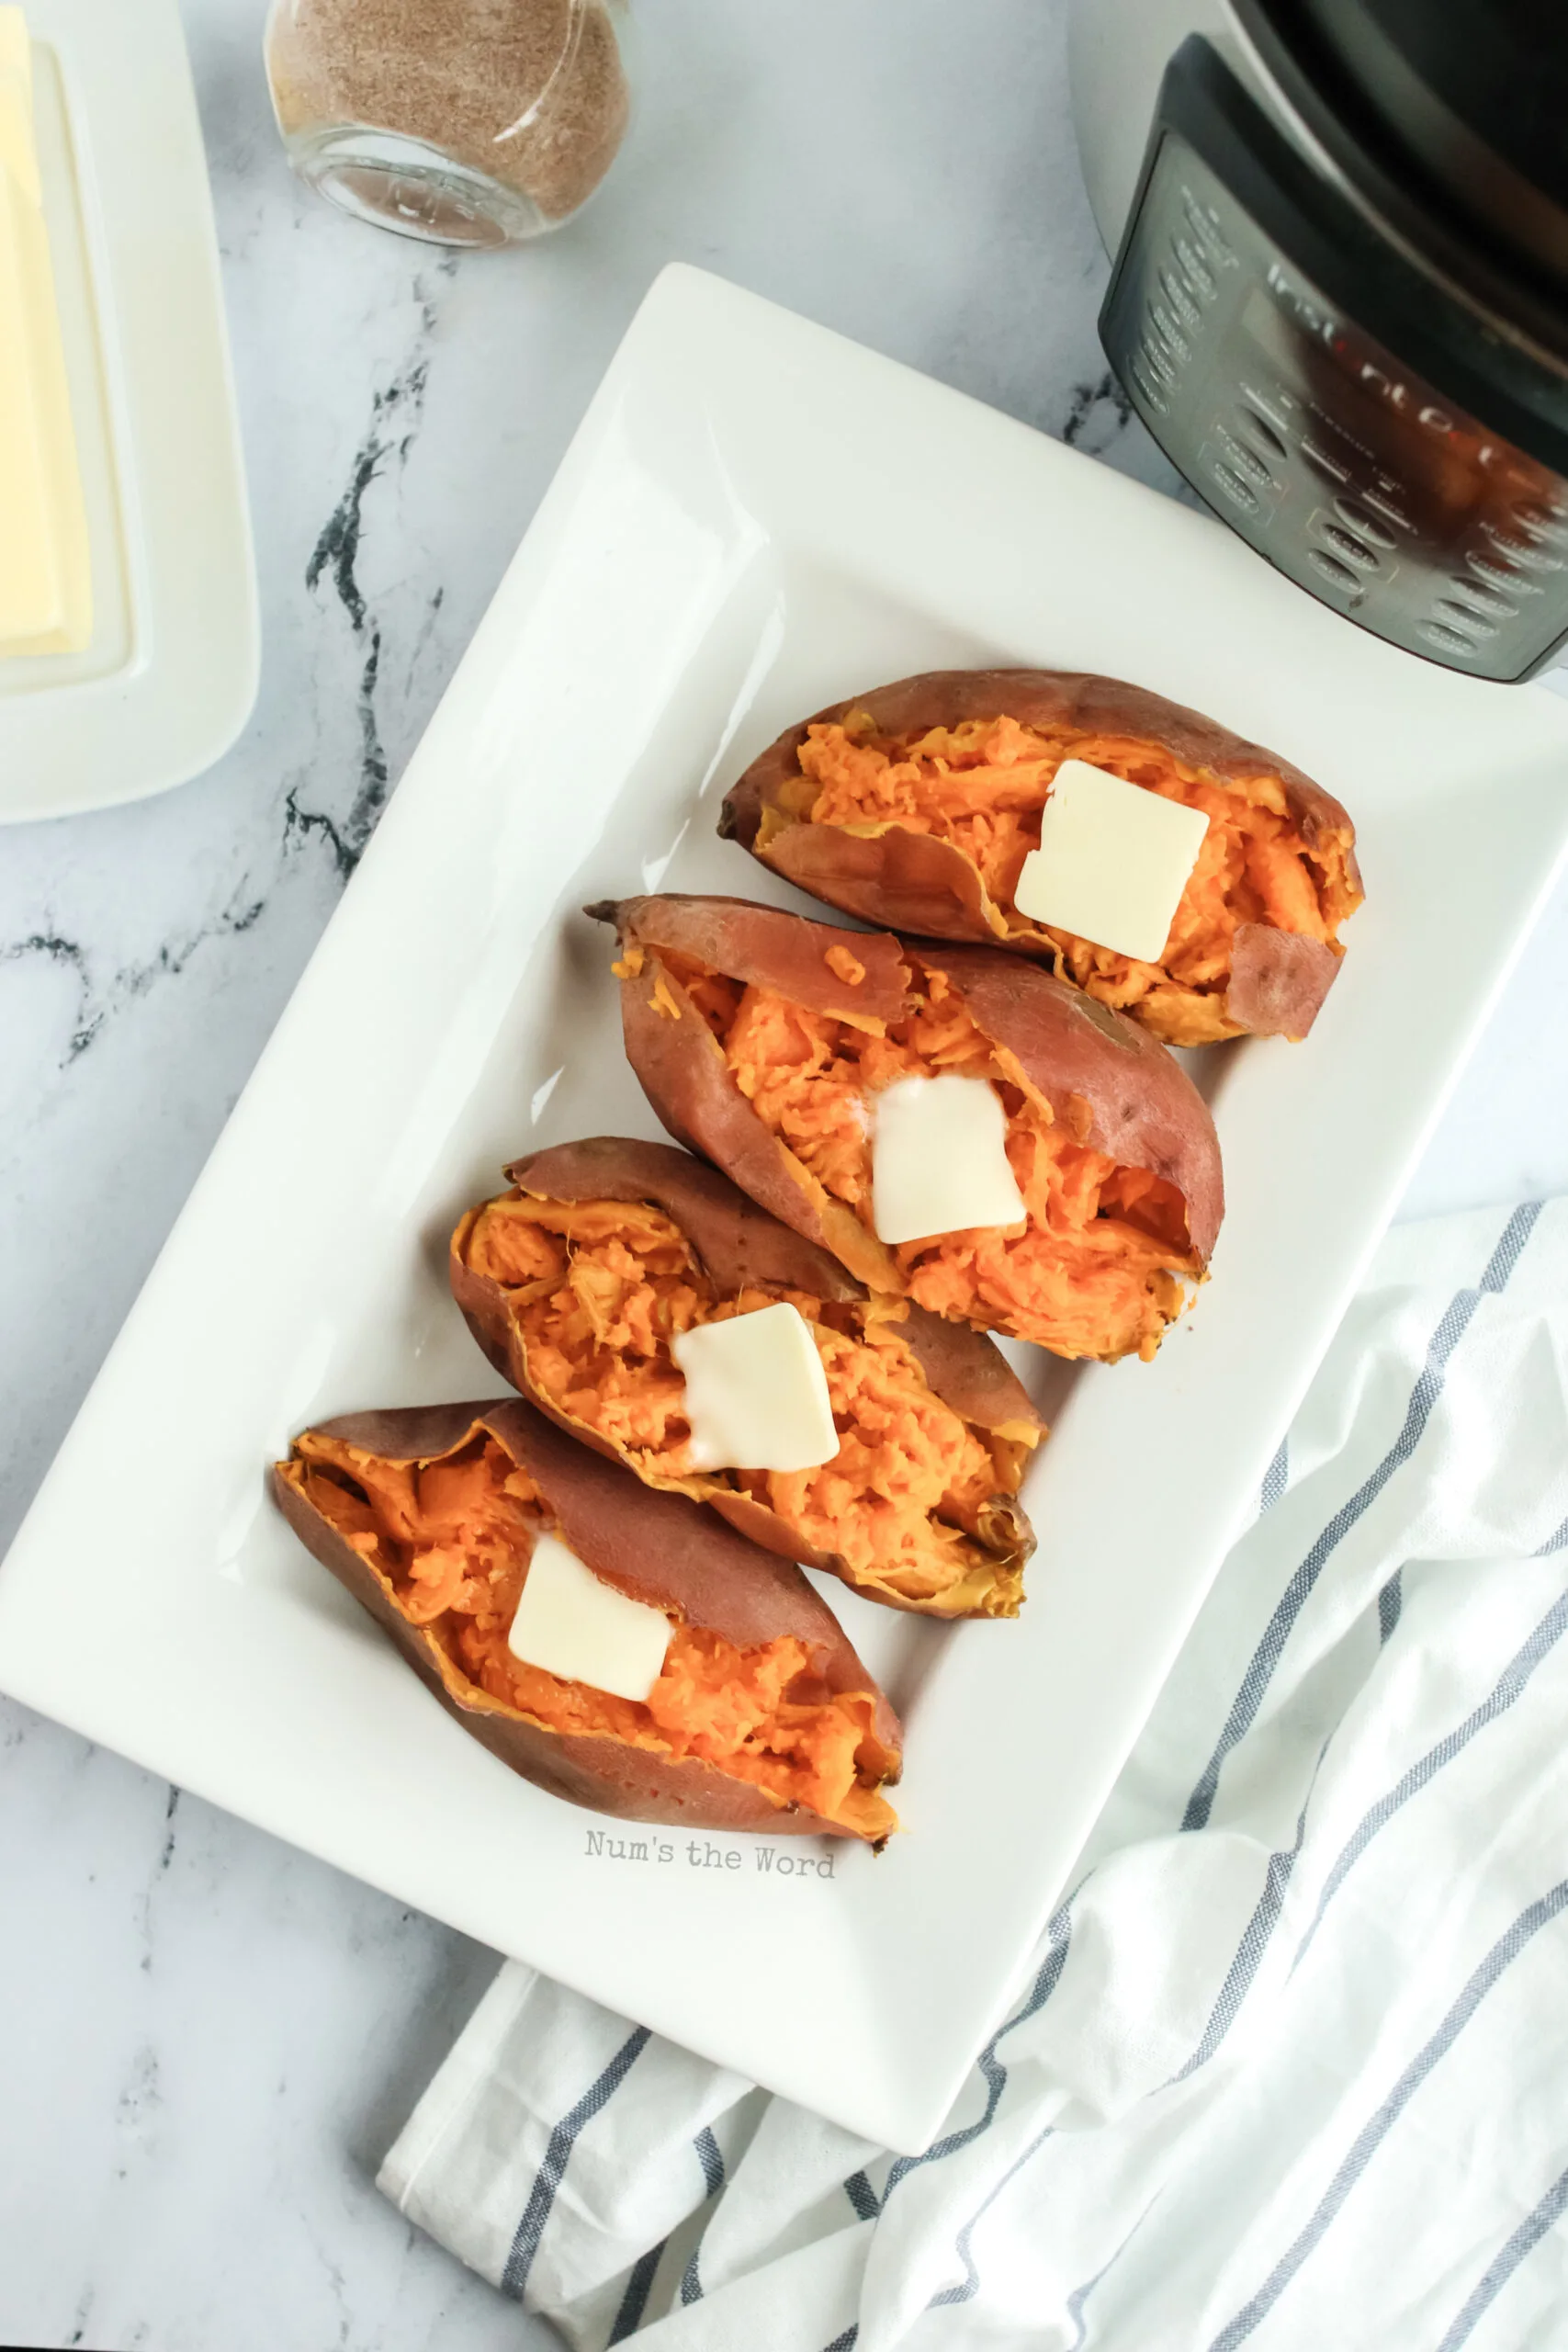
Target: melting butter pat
(939, 1161)
(575, 1626)
(1112, 862)
(46, 590)
(756, 1393)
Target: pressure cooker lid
(1471, 94)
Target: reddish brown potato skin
(1278, 980)
(914, 883)
(770, 949)
(735, 1240)
(1112, 1084)
(1146, 1112)
(659, 1548)
(681, 1066)
(737, 1244)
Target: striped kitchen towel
(1291, 2066)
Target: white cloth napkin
(1290, 2068)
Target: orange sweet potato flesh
(769, 1072)
(915, 806)
(577, 1282)
(764, 1717)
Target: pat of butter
(756, 1393)
(46, 593)
(574, 1625)
(1112, 862)
(939, 1161)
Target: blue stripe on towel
(633, 2302)
(1505, 1257)
(1530, 2232)
(863, 2197)
(1509, 1686)
(1244, 1967)
(710, 2156)
(1255, 1940)
(858, 2188)
(548, 2179)
(1503, 1952)
(969, 2286)
(1276, 1477)
(711, 2159)
(1424, 1398)
(1077, 2301)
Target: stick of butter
(46, 581)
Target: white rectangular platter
(756, 517)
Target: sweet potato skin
(1142, 1108)
(737, 1244)
(736, 1241)
(1278, 980)
(682, 1069)
(764, 947)
(914, 883)
(1145, 1112)
(660, 1549)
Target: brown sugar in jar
(465, 122)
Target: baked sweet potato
(761, 1039)
(916, 805)
(576, 1283)
(762, 1718)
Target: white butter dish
(170, 674)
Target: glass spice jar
(464, 122)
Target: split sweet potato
(762, 1718)
(762, 1039)
(577, 1282)
(916, 805)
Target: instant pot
(1340, 293)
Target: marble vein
(397, 411)
(98, 1002)
(1097, 412)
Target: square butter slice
(577, 1627)
(939, 1159)
(757, 1395)
(1112, 862)
(46, 599)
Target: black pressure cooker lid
(1496, 68)
(1458, 107)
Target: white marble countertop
(207, 2040)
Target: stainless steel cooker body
(1390, 437)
